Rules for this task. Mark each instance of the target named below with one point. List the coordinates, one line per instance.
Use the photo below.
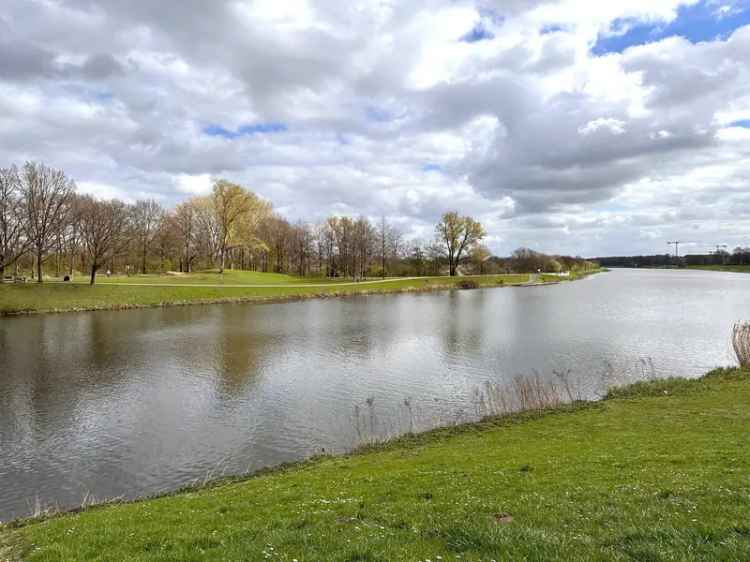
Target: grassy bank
(150, 291)
(658, 471)
(734, 268)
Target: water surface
(137, 402)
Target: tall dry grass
(741, 343)
(489, 400)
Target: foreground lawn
(659, 472)
(51, 297)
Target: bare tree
(457, 234)
(147, 216)
(103, 230)
(72, 233)
(13, 242)
(206, 228)
(46, 194)
(480, 254)
(383, 235)
(184, 222)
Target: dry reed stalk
(741, 343)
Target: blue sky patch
(744, 123)
(478, 33)
(104, 97)
(244, 130)
(430, 167)
(696, 23)
(378, 115)
(552, 28)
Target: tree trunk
(93, 273)
(143, 263)
(223, 258)
(39, 267)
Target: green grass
(657, 472)
(734, 268)
(213, 277)
(55, 297)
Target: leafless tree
(46, 194)
(435, 253)
(383, 235)
(183, 220)
(147, 216)
(13, 242)
(103, 230)
(72, 233)
(206, 231)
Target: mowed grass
(658, 472)
(213, 277)
(54, 297)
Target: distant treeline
(525, 260)
(739, 256)
(49, 229)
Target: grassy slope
(213, 277)
(659, 472)
(57, 297)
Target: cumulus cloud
(500, 109)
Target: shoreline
(274, 299)
(525, 440)
(654, 388)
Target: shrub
(468, 284)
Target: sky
(575, 127)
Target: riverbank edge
(655, 388)
(286, 298)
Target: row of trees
(46, 225)
(527, 260)
(739, 256)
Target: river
(131, 403)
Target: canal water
(131, 403)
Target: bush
(468, 284)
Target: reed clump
(521, 394)
(741, 343)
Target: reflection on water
(137, 402)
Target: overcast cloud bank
(570, 126)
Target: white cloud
(194, 184)
(548, 144)
(614, 126)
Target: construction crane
(676, 245)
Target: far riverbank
(160, 291)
